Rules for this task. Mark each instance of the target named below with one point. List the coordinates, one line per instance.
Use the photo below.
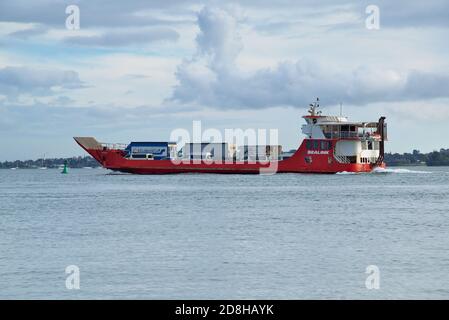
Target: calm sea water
(289, 236)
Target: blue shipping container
(159, 150)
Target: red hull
(113, 159)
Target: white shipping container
(210, 151)
(262, 152)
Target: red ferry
(332, 144)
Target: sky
(138, 69)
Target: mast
(314, 107)
(381, 131)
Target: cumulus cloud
(218, 39)
(124, 38)
(40, 82)
(212, 77)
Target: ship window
(309, 144)
(318, 145)
(352, 159)
(370, 145)
(325, 145)
(363, 145)
(308, 159)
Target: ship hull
(301, 161)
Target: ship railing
(114, 146)
(344, 134)
(341, 158)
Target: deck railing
(344, 134)
(114, 146)
(342, 159)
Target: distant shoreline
(416, 158)
(54, 163)
(432, 159)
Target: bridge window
(325, 145)
(318, 145)
(309, 144)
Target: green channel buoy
(64, 171)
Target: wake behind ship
(332, 144)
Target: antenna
(313, 108)
(341, 109)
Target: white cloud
(35, 30)
(218, 39)
(116, 38)
(213, 78)
(15, 81)
(150, 78)
(6, 28)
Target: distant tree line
(74, 162)
(435, 158)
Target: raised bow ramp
(88, 143)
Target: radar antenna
(314, 107)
